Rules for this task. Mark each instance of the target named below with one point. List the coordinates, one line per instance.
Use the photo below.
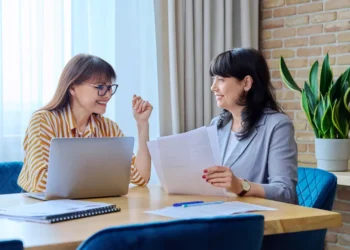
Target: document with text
(223, 209)
(180, 159)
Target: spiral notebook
(57, 210)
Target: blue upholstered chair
(11, 245)
(9, 172)
(316, 188)
(243, 232)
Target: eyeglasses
(103, 88)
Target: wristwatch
(245, 187)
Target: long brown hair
(79, 69)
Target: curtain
(189, 33)
(123, 33)
(34, 46)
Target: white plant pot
(332, 154)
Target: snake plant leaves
(326, 76)
(345, 86)
(326, 120)
(346, 92)
(327, 100)
(287, 77)
(326, 103)
(339, 119)
(335, 89)
(313, 79)
(305, 107)
(333, 132)
(317, 118)
(347, 75)
(311, 98)
(347, 99)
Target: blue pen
(186, 203)
(203, 203)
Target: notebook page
(48, 208)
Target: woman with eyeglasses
(84, 89)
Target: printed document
(180, 159)
(223, 209)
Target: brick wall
(339, 238)
(303, 31)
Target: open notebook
(57, 210)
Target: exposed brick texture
(303, 31)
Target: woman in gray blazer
(258, 150)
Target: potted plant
(326, 106)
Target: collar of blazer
(224, 136)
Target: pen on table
(186, 203)
(202, 204)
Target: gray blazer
(268, 156)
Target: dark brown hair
(239, 63)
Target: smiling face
(229, 91)
(86, 95)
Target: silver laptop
(88, 168)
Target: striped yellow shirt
(46, 125)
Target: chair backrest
(9, 172)
(316, 188)
(244, 232)
(11, 245)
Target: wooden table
(69, 234)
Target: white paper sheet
(54, 207)
(180, 160)
(154, 152)
(226, 208)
